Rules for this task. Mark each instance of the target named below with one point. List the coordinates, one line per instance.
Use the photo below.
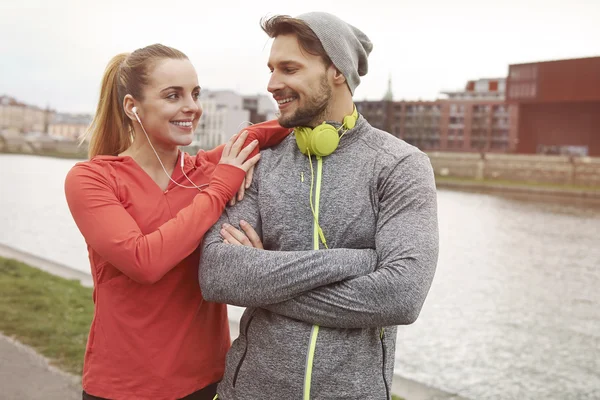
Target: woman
(143, 207)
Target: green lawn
(48, 313)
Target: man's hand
(234, 236)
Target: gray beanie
(346, 46)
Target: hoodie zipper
(237, 370)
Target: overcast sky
(53, 52)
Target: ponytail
(109, 132)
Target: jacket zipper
(237, 370)
(382, 338)
(315, 328)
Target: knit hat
(347, 46)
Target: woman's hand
(234, 236)
(234, 154)
(245, 185)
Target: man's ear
(337, 77)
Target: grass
(46, 312)
(49, 313)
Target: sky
(53, 53)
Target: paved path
(25, 375)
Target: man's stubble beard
(313, 113)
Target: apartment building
(474, 119)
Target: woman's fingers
(250, 162)
(236, 148)
(228, 145)
(245, 152)
(241, 192)
(249, 176)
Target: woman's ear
(128, 105)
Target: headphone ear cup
(324, 140)
(349, 121)
(302, 139)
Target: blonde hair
(111, 131)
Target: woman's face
(170, 110)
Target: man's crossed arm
(342, 288)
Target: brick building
(557, 106)
(544, 108)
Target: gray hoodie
(320, 324)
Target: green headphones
(323, 139)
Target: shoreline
(406, 388)
(532, 189)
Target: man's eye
(172, 96)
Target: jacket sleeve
(249, 277)
(267, 133)
(407, 247)
(109, 229)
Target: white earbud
(134, 110)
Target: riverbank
(53, 154)
(505, 187)
(38, 298)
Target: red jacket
(153, 336)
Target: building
(226, 112)
(475, 119)
(23, 118)
(223, 115)
(557, 106)
(69, 126)
(261, 108)
(481, 89)
(548, 107)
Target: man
(349, 232)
